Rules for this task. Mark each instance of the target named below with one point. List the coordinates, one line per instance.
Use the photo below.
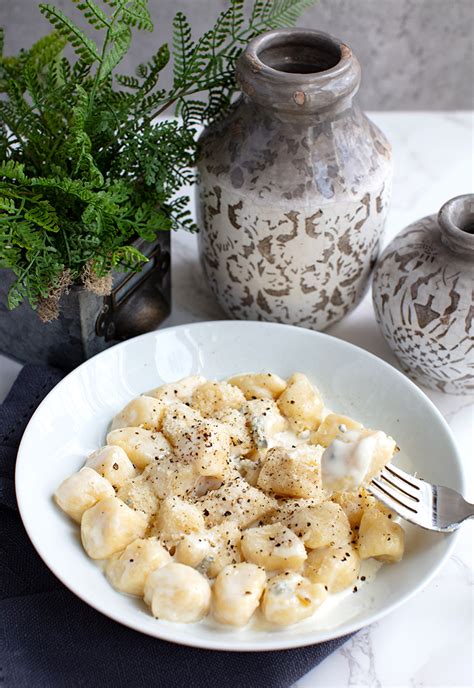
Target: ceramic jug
(423, 297)
(294, 185)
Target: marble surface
(429, 641)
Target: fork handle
(468, 510)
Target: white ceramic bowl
(72, 421)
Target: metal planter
(88, 323)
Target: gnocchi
(291, 472)
(332, 427)
(177, 592)
(236, 593)
(142, 411)
(211, 550)
(319, 525)
(336, 568)
(301, 403)
(233, 498)
(182, 390)
(273, 547)
(80, 491)
(380, 537)
(204, 443)
(128, 570)
(113, 464)
(289, 598)
(211, 398)
(259, 385)
(110, 526)
(142, 446)
(176, 518)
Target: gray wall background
(415, 54)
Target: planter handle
(136, 304)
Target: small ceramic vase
(423, 297)
(294, 185)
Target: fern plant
(85, 166)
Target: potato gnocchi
(233, 499)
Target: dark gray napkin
(50, 639)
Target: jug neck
(299, 72)
(456, 223)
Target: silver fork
(430, 506)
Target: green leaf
(260, 10)
(46, 49)
(85, 48)
(192, 111)
(44, 215)
(153, 68)
(281, 13)
(136, 14)
(94, 15)
(7, 204)
(128, 81)
(128, 256)
(237, 17)
(183, 47)
(12, 170)
(16, 294)
(78, 144)
(80, 71)
(120, 46)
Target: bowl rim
(166, 631)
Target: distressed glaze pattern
(291, 213)
(294, 185)
(288, 266)
(423, 299)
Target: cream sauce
(346, 461)
(337, 608)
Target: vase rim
(456, 222)
(299, 70)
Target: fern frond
(12, 170)
(59, 72)
(128, 256)
(149, 102)
(94, 15)
(80, 71)
(191, 111)
(121, 43)
(32, 84)
(219, 100)
(237, 17)
(46, 49)
(77, 188)
(128, 81)
(183, 47)
(153, 68)
(7, 205)
(43, 215)
(136, 14)
(283, 13)
(78, 145)
(84, 47)
(16, 294)
(260, 10)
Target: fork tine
(398, 485)
(400, 508)
(408, 479)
